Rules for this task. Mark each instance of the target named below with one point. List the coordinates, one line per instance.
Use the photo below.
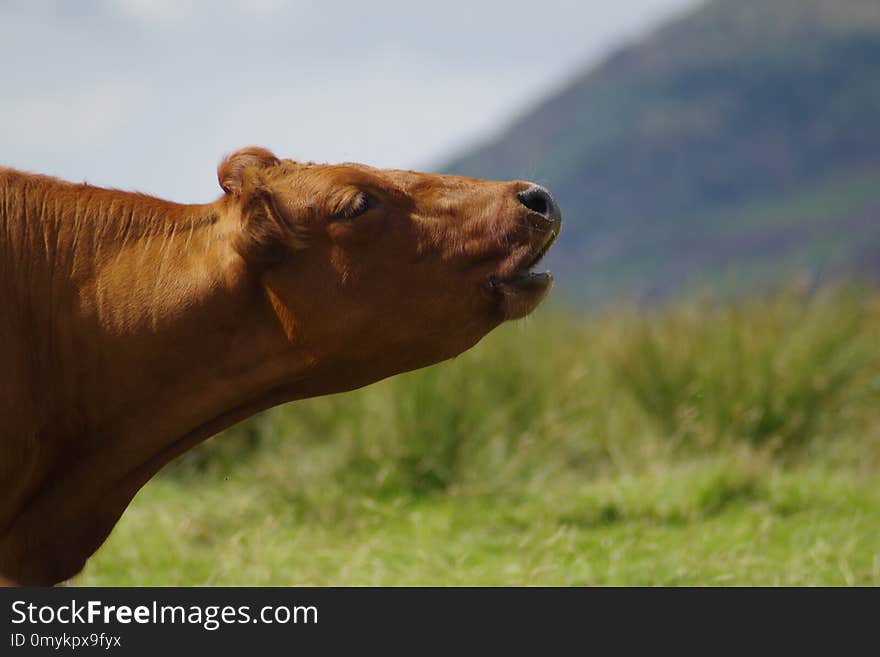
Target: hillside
(736, 147)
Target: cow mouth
(525, 288)
(524, 277)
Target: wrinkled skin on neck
(137, 328)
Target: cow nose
(537, 199)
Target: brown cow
(133, 328)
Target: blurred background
(699, 402)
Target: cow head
(377, 271)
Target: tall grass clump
(775, 372)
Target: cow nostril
(536, 202)
(537, 199)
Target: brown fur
(134, 328)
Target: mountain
(731, 149)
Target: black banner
(232, 620)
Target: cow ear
(267, 233)
(231, 172)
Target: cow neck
(153, 336)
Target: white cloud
(166, 13)
(155, 12)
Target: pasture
(706, 444)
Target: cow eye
(359, 205)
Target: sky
(149, 95)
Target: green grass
(704, 444)
(693, 525)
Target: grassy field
(703, 444)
